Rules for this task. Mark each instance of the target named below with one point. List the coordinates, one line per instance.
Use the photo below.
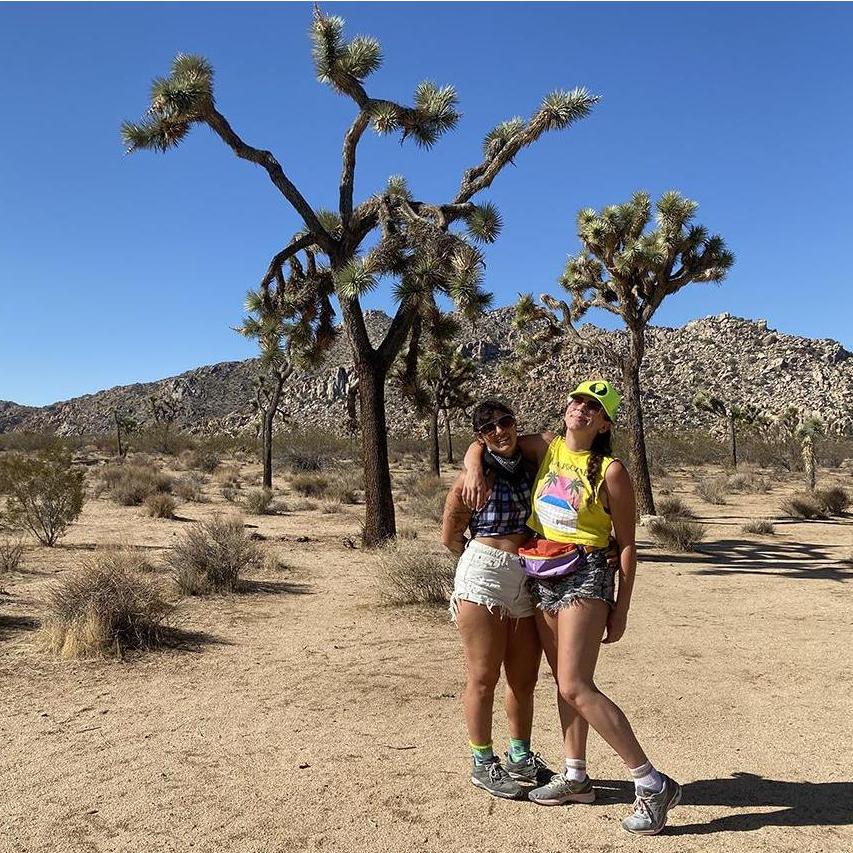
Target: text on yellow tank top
(560, 508)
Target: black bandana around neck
(508, 467)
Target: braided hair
(602, 445)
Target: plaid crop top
(506, 510)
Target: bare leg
(484, 639)
(580, 629)
(521, 665)
(575, 728)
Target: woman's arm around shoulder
(456, 518)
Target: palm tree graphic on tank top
(558, 501)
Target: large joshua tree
(416, 243)
(628, 271)
(731, 413)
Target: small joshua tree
(809, 430)
(731, 413)
(795, 433)
(125, 424)
(165, 411)
(627, 271)
(413, 241)
(442, 378)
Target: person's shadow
(785, 803)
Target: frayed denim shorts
(492, 578)
(595, 580)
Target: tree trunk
(434, 463)
(734, 440)
(267, 427)
(638, 459)
(449, 436)
(379, 519)
(118, 436)
(809, 463)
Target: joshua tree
(731, 413)
(794, 432)
(627, 271)
(809, 430)
(126, 424)
(442, 378)
(412, 239)
(165, 411)
(286, 344)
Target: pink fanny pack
(547, 560)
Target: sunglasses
(504, 422)
(587, 402)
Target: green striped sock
(482, 753)
(518, 749)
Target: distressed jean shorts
(493, 578)
(595, 580)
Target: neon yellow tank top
(560, 510)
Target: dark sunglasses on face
(491, 427)
(588, 402)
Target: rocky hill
(737, 359)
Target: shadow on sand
(789, 560)
(247, 586)
(183, 640)
(13, 624)
(787, 803)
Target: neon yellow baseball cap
(604, 392)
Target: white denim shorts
(493, 578)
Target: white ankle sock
(575, 769)
(648, 777)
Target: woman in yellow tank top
(581, 494)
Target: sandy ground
(302, 715)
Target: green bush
(805, 505)
(310, 485)
(136, 482)
(46, 493)
(672, 507)
(677, 535)
(259, 502)
(211, 555)
(104, 609)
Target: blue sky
(117, 269)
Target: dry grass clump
(11, 553)
(424, 496)
(211, 555)
(760, 526)
(302, 505)
(189, 488)
(200, 459)
(260, 502)
(137, 482)
(410, 575)
(104, 609)
(310, 485)
(805, 505)
(748, 482)
(712, 489)
(677, 535)
(407, 532)
(673, 507)
(331, 507)
(126, 558)
(160, 505)
(302, 461)
(834, 499)
(229, 481)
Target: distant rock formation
(740, 360)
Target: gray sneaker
(651, 808)
(493, 778)
(531, 769)
(562, 790)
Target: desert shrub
(11, 553)
(139, 481)
(672, 507)
(761, 526)
(160, 505)
(748, 482)
(104, 609)
(331, 507)
(410, 575)
(804, 505)
(110, 474)
(211, 555)
(189, 488)
(301, 461)
(125, 558)
(834, 499)
(309, 485)
(46, 493)
(200, 459)
(259, 502)
(677, 535)
(424, 496)
(712, 489)
(407, 532)
(302, 505)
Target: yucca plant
(626, 269)
(416, 243)
(731, 413)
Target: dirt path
(302, 716)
